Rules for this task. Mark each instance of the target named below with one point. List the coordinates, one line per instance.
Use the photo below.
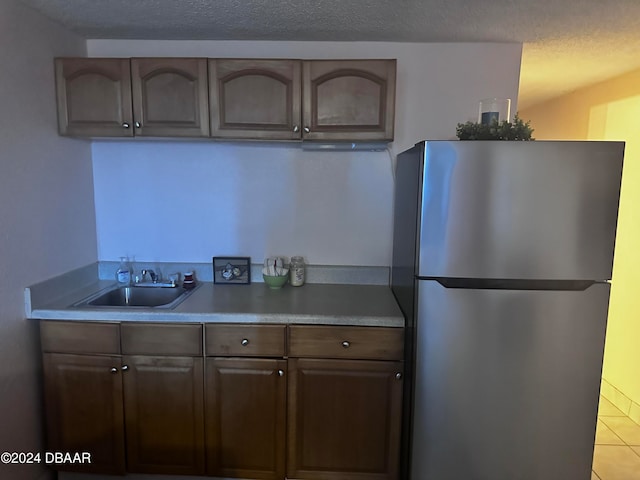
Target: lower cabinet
(344, 402)
(149, 406)
(245, 417)
(344, 419)
(84, 410)
(163, 398)
(263, 402)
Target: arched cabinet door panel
(94, 97)
(257, 99)
(170, 97)
(349, 99)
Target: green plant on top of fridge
(518, 130)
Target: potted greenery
(518, 130)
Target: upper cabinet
(94, 97)
(121, 97)
(170, 97)
(330, 100)
(349, 99)
(327, 100)
(255, 98)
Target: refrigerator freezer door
(527, 210)
(506, 383)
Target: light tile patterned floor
(617, 452)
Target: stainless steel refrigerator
(501, 260)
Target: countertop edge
(153, 317)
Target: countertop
(328, 304)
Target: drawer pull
(114, 370)
(346, 344)
(125, 368)
(398, 376)
(281, 373)
(244, 342)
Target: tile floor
(617, 451)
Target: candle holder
(494, 110)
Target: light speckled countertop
(329, 304)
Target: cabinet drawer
(367, 343)
(80, 337)
(245, 340)
(161, 339)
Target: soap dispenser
(123, 274)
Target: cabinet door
(94, 97)
(344, 419)
(83, 403)
(163, 398)
(170, 97)
(349, 99)
(245, 417)
(255, 98)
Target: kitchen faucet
(152, 274)
(156, 279)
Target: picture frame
(232, 270)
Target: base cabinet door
(164, 415)
(245, 417)
(83, 401)
(344, 419)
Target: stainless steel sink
(125, 297)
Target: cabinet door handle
(114, 370)
(138, 124)
(346, 344)
(125, 125)
(307, 130)
(296, 129)
(398, 376)
(125, 368)
(244, 342)
(281, 373)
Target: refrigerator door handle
(511, 284)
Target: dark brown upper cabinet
(348, 99)
(257, 99)
(170, 97)
(94, 97)
(122, 97)
(326, 100)
(332, 100)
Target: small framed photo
(232, 270)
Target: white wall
(187, 201)
(47, 222)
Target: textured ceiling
(567, 43)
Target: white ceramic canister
(296, 271)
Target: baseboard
(621, 401)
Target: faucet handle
(174, 278)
